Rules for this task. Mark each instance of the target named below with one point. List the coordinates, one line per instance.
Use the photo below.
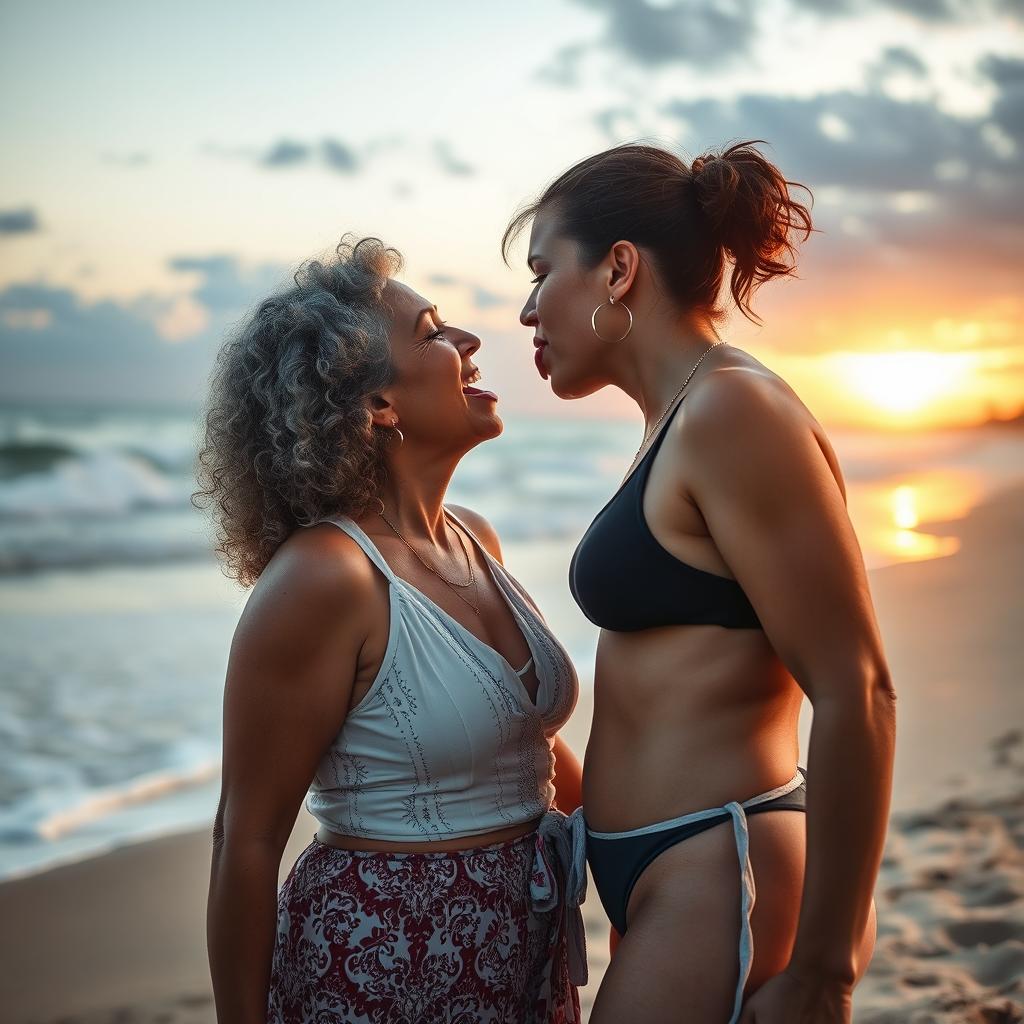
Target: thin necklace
(650, 433)
(451, 583)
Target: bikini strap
(662, 434)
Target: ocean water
(115, 620)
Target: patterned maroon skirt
(371, 937)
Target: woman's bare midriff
(685, 718)
(329, 838)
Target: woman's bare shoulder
(316, 574)
(748, 411)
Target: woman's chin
(569, 387)
(487, 425)
(561, 388)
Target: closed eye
(434, 335)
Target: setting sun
(905, 382)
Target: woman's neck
(652, 369)
(414, 492)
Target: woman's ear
(382, 412)
(624, 261)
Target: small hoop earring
(401, 436)
(593, 321)
(381, 503)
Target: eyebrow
(419, 315)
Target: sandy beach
(121, 937)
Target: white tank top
(446, 742)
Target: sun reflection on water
(888, 514)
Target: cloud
(484, 299)
(899, 58)
(703, 34)
(617, 122)
(339, 157)
(55, 344)
(335, 155)
(1007, 74)
(844, 138)
(895, 62)
(442, 280)
(563, 68)
(286, 153)
(934, 12)
(450, 163)
(711, 35)
(902, 188)
(19, 222)
(225, 287)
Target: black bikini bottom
(617, 859)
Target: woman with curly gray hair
(373, 673)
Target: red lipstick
(538, 357)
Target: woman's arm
(778, 516)
(289, 680)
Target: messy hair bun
(745, 201)
(731, 205)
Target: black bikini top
(623, 579)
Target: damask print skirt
(417, 938)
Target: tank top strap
(500, 570)
(472, 536)
(357, 533)
(495, 564)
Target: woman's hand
(791, 999)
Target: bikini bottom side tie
(748, 894)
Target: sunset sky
(164, 166)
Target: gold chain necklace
(650, 433)
(451, 583)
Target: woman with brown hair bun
(728, 583)
(388, 669)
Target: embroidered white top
(446, 742)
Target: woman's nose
(468, 344)
(528, 316)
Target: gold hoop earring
(593, 321)
(401, 436)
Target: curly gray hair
(288, 435)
